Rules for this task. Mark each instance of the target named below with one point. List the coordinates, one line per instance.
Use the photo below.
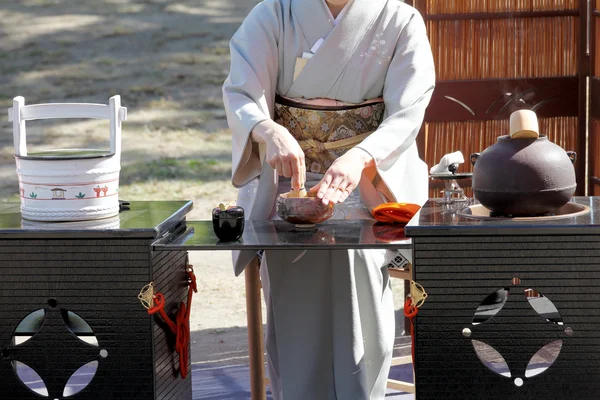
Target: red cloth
(399, 213)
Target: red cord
(411, 312)
(181, 326)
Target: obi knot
(312, 144)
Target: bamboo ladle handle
(302, 191)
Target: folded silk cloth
(446, 161)
(399, 213)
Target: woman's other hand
(283, 152)
(342, 177)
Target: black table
(72, 288)
(501, 291)
(159, 233)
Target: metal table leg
(255, 332)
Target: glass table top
(338, 234)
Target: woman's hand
(283, 152)
(342, 177)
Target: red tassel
(410, 312)
(181, 326)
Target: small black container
(228, 224)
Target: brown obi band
(327, 129)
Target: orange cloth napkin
(399, 213)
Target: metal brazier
(524, 176)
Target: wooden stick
(401, 360)
(402, 386)
(255, 332)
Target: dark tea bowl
(303, 211)
(228, 223)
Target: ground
(168, 61)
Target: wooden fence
(494, 57)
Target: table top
(437, 219)
(153, 219)
(144, 219)
(333, 234)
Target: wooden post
(584, 73)
(594, 102)
(255, 332)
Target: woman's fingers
(344, 197)
(349, 189)
(332, 189)
(290, 167)
(288, 160)
(286, 169)
(337, 196)
(278, 167)
(302, 171)
(321, 188)
(344, 194)
(298, 175)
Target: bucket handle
(20, 113)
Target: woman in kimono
(328, 95)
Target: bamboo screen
(497, 6)
(504, 48)
(498, 47)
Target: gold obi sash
(327, 129)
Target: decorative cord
(410, 312)
(181, 326)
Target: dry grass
(173, 95)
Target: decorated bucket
(68, 184)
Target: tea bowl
(303, 211)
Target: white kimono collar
(326, 66)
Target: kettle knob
(524, 125)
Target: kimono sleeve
(408, 87)
(249, 90)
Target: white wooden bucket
(68, 184)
